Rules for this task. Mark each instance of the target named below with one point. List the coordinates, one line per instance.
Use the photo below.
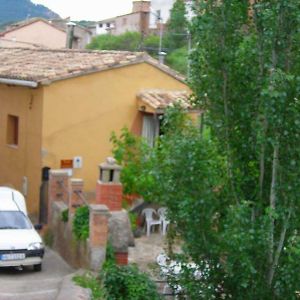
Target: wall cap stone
(99, 208)
(59, 172)
(76, 180)
(109, 183)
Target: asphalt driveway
(28, 285)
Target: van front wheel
(37, 268)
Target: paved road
(29, 285)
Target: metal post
(160, 35)
(189, 53)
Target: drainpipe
(19, 82)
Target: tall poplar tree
(245, 74)
(177, 26)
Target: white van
(20, 244)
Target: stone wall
(107, 219)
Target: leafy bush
(132, 152)
(178, 60)
(89, 281)
(118, 282)
(133, 218)
(127, 283)
(81, 223)
(65, 215)
(130, 41)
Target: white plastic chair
(162, 212)
(150, 220)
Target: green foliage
(25, 8)
(133, 218)
(233, 194)
(127, 283)
(130, 41)
(178, 59)
(134, 41)
(118, 282)
(244, 74)
(131, 151)
(151, 44)
(65, 215)
(85, 23)
(177, 25)
(81, 223)
(88, 281)
(110, 255)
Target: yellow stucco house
(59, 108)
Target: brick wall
(109, 194)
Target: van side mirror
(38, 226)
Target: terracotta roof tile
(47, 65)
(160, 99)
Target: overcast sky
(92, 10)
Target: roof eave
(166, 70)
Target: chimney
(109, 190)
(70, 34)
(141, 6)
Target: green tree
(232, 190)
(177, 26)
(134, 41)
(244, 74)
(178, 59)
(129, 41)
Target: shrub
(133, 218)
(127, 283)
(65, 215)
(81, 223)
(88, 281)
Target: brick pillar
(121, 258)
(58, 189)
(109, 194)
(109, 190)
(75, 188)
(98, 235)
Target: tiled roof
(47, 65)
(160, 99)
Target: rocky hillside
(16, 10)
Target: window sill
(12, 146)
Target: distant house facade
(103, 26)
(146, 17)
(60, 107)
(137, 20)
(81, 35)
(38, 32)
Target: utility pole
(161, 54)
(189, 37)
(159, 22)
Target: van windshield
(14, 220)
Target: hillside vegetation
(16, 10)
